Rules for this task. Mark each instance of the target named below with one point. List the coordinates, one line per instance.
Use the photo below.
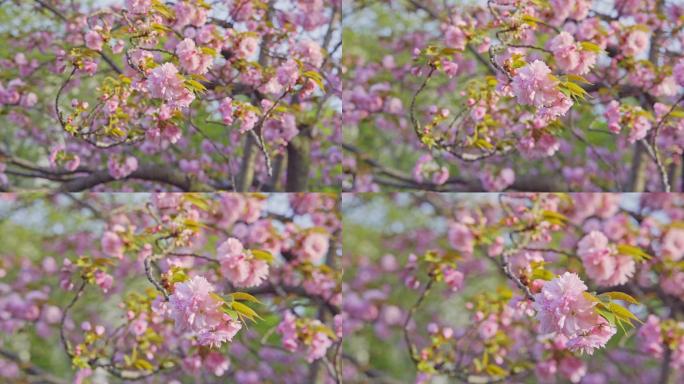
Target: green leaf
(245, 310)
(163, 9)
(554, 217)
(495, 370)
(209, 51)
(262, 255)
(576, 91)
(621, 312)
(635, 252)
(233, 314)
(677, 113)
(143, 365)
(195, 86)
(607, 315)
(483, 144)
(196, 199)
(531, 20)
(591, 297)
(577, 79)
(244, 296)
(160, 28)
(620, 296)
(316, 77)
(587, 46)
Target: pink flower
(672, 244)
(450, 68)
(454, 37)
(488, 329)
(138, 6)
(570, 56)
(139, 326)
(93, 40)
(650, 337)
(565, 51)
(612, 115)
(122, 168)
(196, 309)
(461, 238)
(112, 245)
(247, 47)
(239, 265)
(223, 333)
(602, 262)
(640, 128)
(189, 14)
(673, 284)
(216, 363)
(546, 370)
(320, 342)
(288, 73)
(562, 309)
(573, 368)
(594, 338)
(427, 168)
(191, 59)
(453, 278)
(678, 72)
(288, 330)
(248, 119)
(310, 52)
(533, 85)
(165, 83)
(315, 246)
(226, 110)
(167, 200)
(58, 156)
(635, 42)
(103, 280)
(499, 182)
(575, 9)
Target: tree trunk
(246, 176)
(298, 163)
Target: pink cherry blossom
(248, 47)
(612, 114)
(315, 247)
(454, 37)
(120, 168)
(195, 309)
(636, 42)
(94, 40)
(461, 238)
(678, 72)
(138, 6)
(453, 278)
(650, 336)
(672, 245)
(563, 309)
(288, 330)
(602, 262)
(488, 329)
(310, 52)
(165, 83)
(573, 368)
(320, 342)
(533, 85)
(226, 110)
(498, 182)
(191, 59)
(239, 265)
(112, 245)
